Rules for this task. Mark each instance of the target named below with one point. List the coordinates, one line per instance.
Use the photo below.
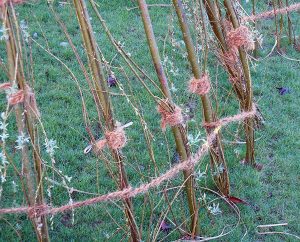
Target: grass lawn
(273, 193)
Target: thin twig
(151, 5)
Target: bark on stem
(104, 102)
(243, 91)
(215, 22)
(216, 151)
(255, 51)
(290, 29)
(248, 104)
(274, 3)
(34, 187)
(178, 131)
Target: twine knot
(15, 98)
(241, 37)
(27, 97)
(115, 139)
(127, 192)
(37, 211)
(224, 121)
(5, 86)
(30, 102)
(200, 86)
(230, 57)
(170, 114)
(212, 124)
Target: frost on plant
(200, 175)
(3, 126)
(4, 136)
(214, 209)
(173, 88)
(220, 169)
(50, 146)
(24, 29)
(3, 33)
(14, 186)
(21, 141)
(203, 198)
(3, 159)
(194, 140)
(168, 64)
(3, 178)
(68, 178)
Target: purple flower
(165, 227)
(283, 90)
(112, 80)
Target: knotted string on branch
(241, 37)
(227, 120)
(170, 114)
(130, 191)
(236, 38)
(15, 98)
(230, 57)
(30, 102)
(5, 86)
(36, 211)
(12, 97)
(20, 96)
(115, 139)
(200, 86)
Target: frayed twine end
(170, 114)
(115, 139)
(100, 144)
(5, 86)
(200, 86)
(230, 57)
(30, 102)
(16, 98)
(27, 97)
(241, 37)
(37, 211)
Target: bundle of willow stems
(233, 49)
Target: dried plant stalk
(33, 178)
(255, 51)
(179, 132)
(243, 85)
(103, 101)
(216, 151)
(290, 28)
(280, 5)
(247, 105)
(277, 30)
